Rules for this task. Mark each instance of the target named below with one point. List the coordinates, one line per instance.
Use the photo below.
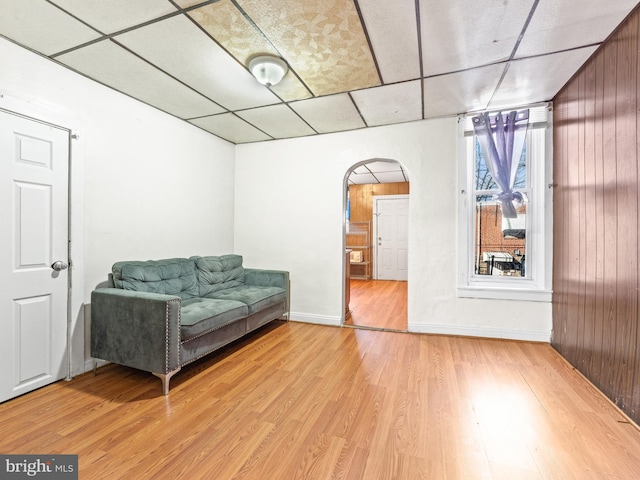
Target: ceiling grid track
(353, 64)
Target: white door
(392, 228)
(34, 163)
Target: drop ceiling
(353, 63)
(378, 171)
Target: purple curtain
(501, 139)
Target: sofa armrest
(136, 329)
(269, 278)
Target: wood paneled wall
(596, 184)
(361, 198)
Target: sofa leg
(165, 377)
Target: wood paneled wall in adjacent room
(361, 198)
(595, 254)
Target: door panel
(31, 211)
(31, 323)
(34, 160)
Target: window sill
(505, 293)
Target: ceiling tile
(115, 15)
(390, 177)
(379, 171)
(112, 65)
(466, 91)
(461, 35)
(383, 166)
(538, 79)
(291, 88)
(224, 22)
(188, 3)
(393, 31)
(322, 41)
(563, 24)
(231, 29)
(400, 102)
(189, 57)
(231, 127)
(41, 26)
(362, 178)
(180, 48)
(361, 170)
(279, 121)
(332, 113)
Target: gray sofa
(159, 315)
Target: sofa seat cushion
(199, 315)
(255, 297)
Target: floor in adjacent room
(378, 304)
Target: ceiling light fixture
(267, 69)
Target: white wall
(289, 215)
(156, 187)
(145, 185)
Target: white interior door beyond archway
(391, 237)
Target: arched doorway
(376, 201)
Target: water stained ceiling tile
(323, 42)
(332, 113)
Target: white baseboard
(89, 363)
(464, 331)
(319, 319)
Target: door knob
(59, 265)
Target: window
(502, 257)
(500, 244)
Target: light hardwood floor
(378, 304)
(302, 401)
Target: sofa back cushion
(219, 273)
(172, 276)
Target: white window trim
(537, 287)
